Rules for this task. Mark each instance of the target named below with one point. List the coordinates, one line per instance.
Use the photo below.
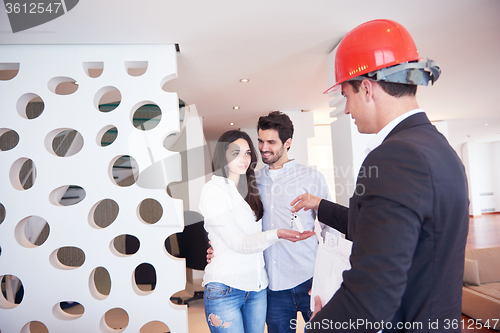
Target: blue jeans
(231, 310)
(282, 307)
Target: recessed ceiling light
(244, 80)
(232, 124)
(236, 107)
(485, 124)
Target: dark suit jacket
(408, 221)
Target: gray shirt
(289, 264)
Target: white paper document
(332, 259)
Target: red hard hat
(371, 46)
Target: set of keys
(295, 219)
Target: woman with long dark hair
(236, 280)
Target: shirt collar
(221, 179)
(286, 166)
(384, 132)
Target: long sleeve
(237, 239)
(387, 226)
(221, 211)
(323, 192)
(408, 221)
(333, 215)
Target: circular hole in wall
(115, 319)
(30, 106)
(73, 308)
(146, 116)
(177, 244)
(155, 326)
(68, 310)
(35, 327)
(145, 277)
(32, 231)
(107, 99)
(100, 283)
(63, 85)
(71, 256)
(136, 68)
(3, 212)
(34, 108)
(170, 140)
(8, 70)
(8, 139)
(150, 211)
(65, 142)
(125, 171)
(23, 174)
(104, 213)
(12, 291)
(67, 257)
(126, 244)
(27, 174)
(67, 195)
(93, 69)
(107, 136)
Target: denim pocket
(217, 290)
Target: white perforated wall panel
(47, 72)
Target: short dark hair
(278, 121)
(391, 88)
(247, 186)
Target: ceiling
(282, 46)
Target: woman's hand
(294, 236)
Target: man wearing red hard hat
(408, 221)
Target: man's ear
(367, 89)
(288, 143)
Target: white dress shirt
(237, 239)
(384, 132)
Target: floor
(483, 232)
